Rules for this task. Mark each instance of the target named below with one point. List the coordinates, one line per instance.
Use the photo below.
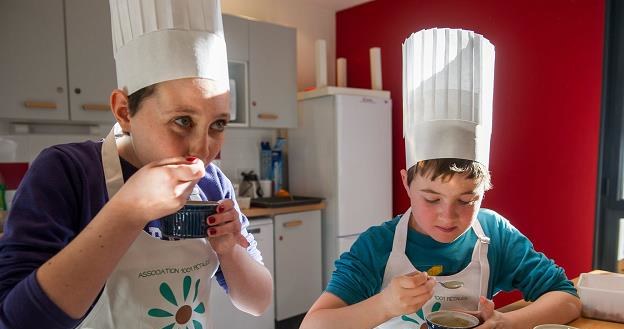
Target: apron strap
(111, 163)
(397, 255)
(481, 251)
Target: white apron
(157, 284)
(475, 277)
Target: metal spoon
(451, 284)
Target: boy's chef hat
(161, 40)
(448, 80)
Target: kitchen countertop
(269, 212)
(253, 212)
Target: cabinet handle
(253, 231)
(293, 223)
(40, 105)
(95, 107)
(268, 116)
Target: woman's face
(443, 209)
(184, 117)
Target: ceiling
(335, 5)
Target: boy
(389, 278)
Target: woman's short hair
(135, 99)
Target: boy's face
(443, 209)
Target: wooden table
(581, 323)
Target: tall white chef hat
(161, 40)
(448, 82)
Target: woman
(83, 245)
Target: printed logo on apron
(475, 277)
(182, 311)
(157, 283)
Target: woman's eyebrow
(183, 109)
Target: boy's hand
(224, 230)
(406, 294)
(489, 317)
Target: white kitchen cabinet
(37, 58)
(91, 65)
(236, 30)
(225, 314)
(33, 80)
(298, 270)
(272, 75)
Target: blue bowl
(451, 320)
(190, 221)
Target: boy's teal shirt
(514, 264)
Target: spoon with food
(451, 284)
(446, 284)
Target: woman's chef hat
(161, 40)
(448, 80)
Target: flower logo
(182, 316)
(420, 315)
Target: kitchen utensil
(250, 186)
(451, 284)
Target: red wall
(547, 89)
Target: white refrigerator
(342, 151)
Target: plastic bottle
(266, 170)
(276, 160)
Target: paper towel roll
(341, 72)
(375, 66)
(321, 63)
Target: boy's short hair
(446, 168)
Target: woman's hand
(224, 231)
(406, 294)
(489, 316)
(159, 188)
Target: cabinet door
(91, 65)
(236, 32)
(33, 81)
(298, 267)
(225, 314)
(272, 75)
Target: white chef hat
(448, 82)
(162, 40)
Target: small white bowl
(554, 326)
